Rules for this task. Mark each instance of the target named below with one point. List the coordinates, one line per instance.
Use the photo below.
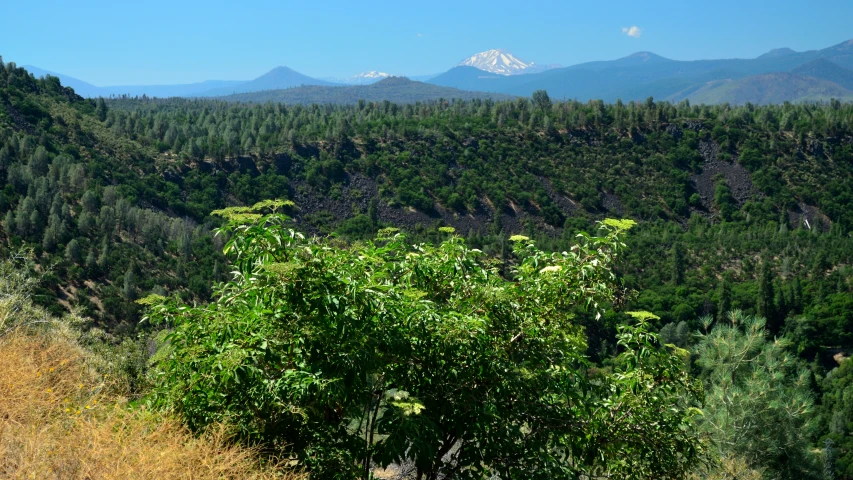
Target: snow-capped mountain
(500, 62)
(370, 76)
(360, 79)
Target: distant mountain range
(86, 89)
(779, 75)
(393, 89)
(812, 75)
(277, 78)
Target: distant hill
(778, 52)
(276, 79)
(826, 70)
(638, 59)
(767, 89)
(84, 89)
(393, 89)
(841, 54)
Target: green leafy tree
(541, 100)
(384, 352)
(724, 200)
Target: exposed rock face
(694, 125)
(674, 131)
(737, 177)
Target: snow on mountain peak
(371, 75)
(363, 78)
(496, 61)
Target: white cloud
(632, 31)
(420, 35)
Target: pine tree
(73, 252)
(758, 402)
(724, 200)
(129, 287)
(91, 258)
(104, 257)
(541, 100)
(497, 224)
(724, 299)
(766, 307)
(677, 264)
(9, 222)
(101, 109)
(373, 212)
(829, 459)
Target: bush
(384, 352)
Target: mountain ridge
(393, 89)
(644, 74)
(633, 77)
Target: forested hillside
(392, 89)
(745, 207)
(72, 191)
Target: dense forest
(744, 221)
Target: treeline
(456, 155)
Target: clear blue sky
(165, 42)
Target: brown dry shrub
(59, 421)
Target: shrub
(381, 352)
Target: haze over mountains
(779, 75)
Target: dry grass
(57, 421)
(728, 468)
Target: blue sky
(166, 42)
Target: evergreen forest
(472, 289)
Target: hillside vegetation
(744, 222)
(771, 88)
(65, 412)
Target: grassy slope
(58, 420)
(64, 412)
(772, 88)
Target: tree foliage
(380, 352)
(758, 407)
